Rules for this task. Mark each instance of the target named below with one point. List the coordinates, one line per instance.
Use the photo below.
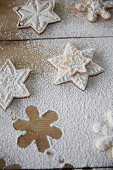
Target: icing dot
(21, 23)
(16, 8)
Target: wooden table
(22, 46)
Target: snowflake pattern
(12, 84)
(36, 14)
(69, 166)
(37, 129)
(95, 8)
(3, 165)
(105, 130)
(75, 66)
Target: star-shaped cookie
(95, 8)
(36, 14)
(75, 66)
(12, 84)
(105, 130)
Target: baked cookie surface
(77, 110)
(12, 84)
(95, 8)
(36, 14)
(75, 66)
(73, 24)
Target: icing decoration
(75, 66)
(95, 8)
(105, 130)
(12, 84)
(36, 14)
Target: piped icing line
(75, 66)
(95, 8)
(36, 14)
(105, 130)
(12, 84)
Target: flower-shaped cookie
(12, 84)
(37, 129)
(105, 130)
(3, 165)
(36, 14)
(95, 8)
(75, 66)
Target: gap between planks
(56, 38)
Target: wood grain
(34, 54)
(73, 24)
(38, 129)
(28, 54)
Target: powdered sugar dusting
(12, 84)
(77, 110)
(75, 65)
(95, 8)
(36, 14)
(73, 24)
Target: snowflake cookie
(75, 66)
(38, 129)
(105, 130)
(95, 8)
(36, 14)
(12, 84)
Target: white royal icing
(105, 129)
(12, 84)
(95, 8)
(36, 14)
(76, 66)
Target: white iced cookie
(12, 84)
(36, 14)
(75, 66)
(105, 130)
(95, 8)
